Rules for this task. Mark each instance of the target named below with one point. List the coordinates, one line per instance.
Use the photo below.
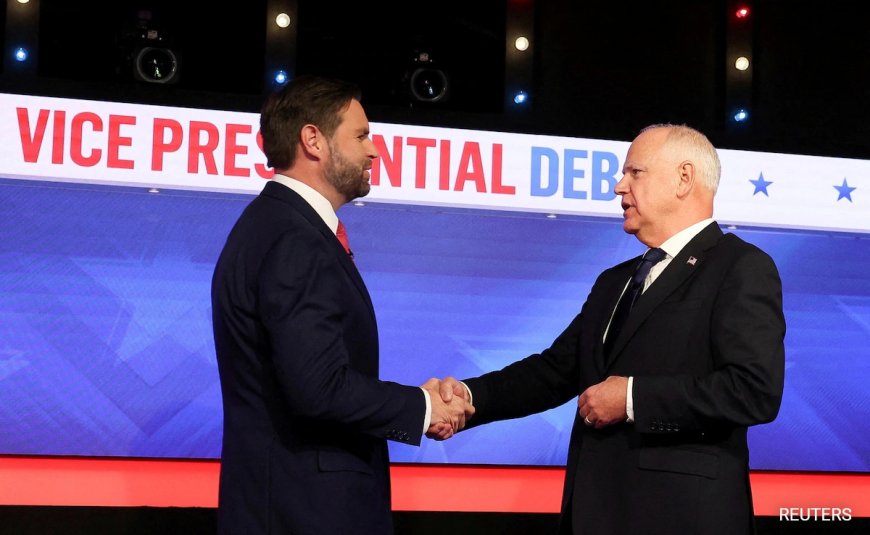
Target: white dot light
(282, 20)
(742, 63)
(521, 43)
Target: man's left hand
(604, 404)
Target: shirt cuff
(470, 397)
(428, 416)
(629, 402)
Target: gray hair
(701, 151)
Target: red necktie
(341, 234)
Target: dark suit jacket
(305, 416)
(705, 347)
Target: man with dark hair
(306, 418)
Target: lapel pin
(692, 261)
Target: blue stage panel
(106, 345)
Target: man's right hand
(451, 407)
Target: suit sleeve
(536, 383)
(308, 310)
(747, 330)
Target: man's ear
(686, 174)
(311, 140)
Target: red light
(742, 13)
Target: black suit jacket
(305, 416)
(705, 347)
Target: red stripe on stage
(81, 481)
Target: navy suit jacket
(305, 416)
(704, 344)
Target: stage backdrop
(478, 249)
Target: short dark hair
(306, 99)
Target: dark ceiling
(601, 69)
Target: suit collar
(289, 196)
(313, 197)
(678, 241)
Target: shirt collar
(673, 245)
(317, 201)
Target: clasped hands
(451, 407)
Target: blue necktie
(626, 302)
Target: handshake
(451, 407)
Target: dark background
(600, 69)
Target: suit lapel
(289, 196)
(675, 274)
(616, 284)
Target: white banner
(182, 148)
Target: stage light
(742, 63)
(20, 54)
(742, 12)
(741, 116)
(23, 1)
(149, 53)
(281, 77)
(522, 43)
(282, 20)
(156, 65)
(427, 83)
(520, 97)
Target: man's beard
(345, 176)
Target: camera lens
(429, 85)
(157, 65)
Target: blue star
(760, 185)
(845, 191)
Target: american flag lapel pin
(692, 261)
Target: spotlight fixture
(281, 77)
(156, 65)
(522, 43)
(741, 116)
(742, 12)
(520, 97)
(282, 20)
(151, 56)
(742, 63)
(425, 81)
(20, 54)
